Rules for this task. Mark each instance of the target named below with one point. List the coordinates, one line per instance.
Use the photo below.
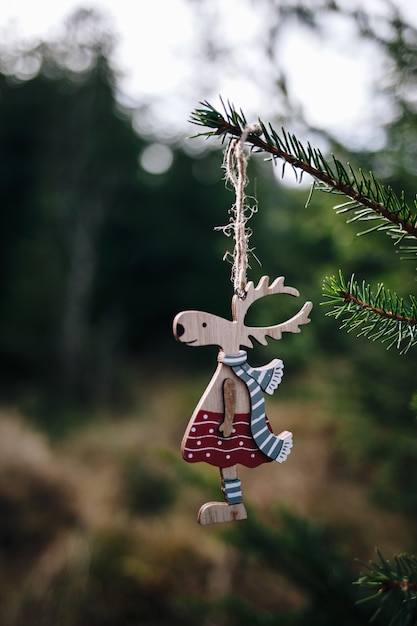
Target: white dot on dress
(199, 443)
(241, 443)
(205, 416)
(190, 456)
(219, 443)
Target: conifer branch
(368, 198)
(395, 586)
(382, 315)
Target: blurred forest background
(106, 232)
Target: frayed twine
(235, 164)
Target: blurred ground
(114, 502)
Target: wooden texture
(229, 395)
(219, 431)
(197, 328)
(217, 512)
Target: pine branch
(380, 316)
(368, 198)
(394, 585)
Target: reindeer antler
(241, 305)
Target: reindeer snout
(179, 330)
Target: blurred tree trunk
(77, 306)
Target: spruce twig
(382, 316)
(378, 315)
(394, 585)
(368, 198)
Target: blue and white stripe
(232, 490)
(259, 380)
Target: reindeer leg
(216, 512)
(233, 509)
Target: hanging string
(235, 164)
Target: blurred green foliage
(150, 489)
(97, 255)
(305, 551)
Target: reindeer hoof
(216, 512)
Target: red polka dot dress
(204, 442)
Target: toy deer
(229, 425)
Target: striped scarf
(265, 379)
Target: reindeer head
(196, 328)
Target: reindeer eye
(204, 324)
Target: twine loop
(235, 163)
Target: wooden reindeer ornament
(229, 425)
